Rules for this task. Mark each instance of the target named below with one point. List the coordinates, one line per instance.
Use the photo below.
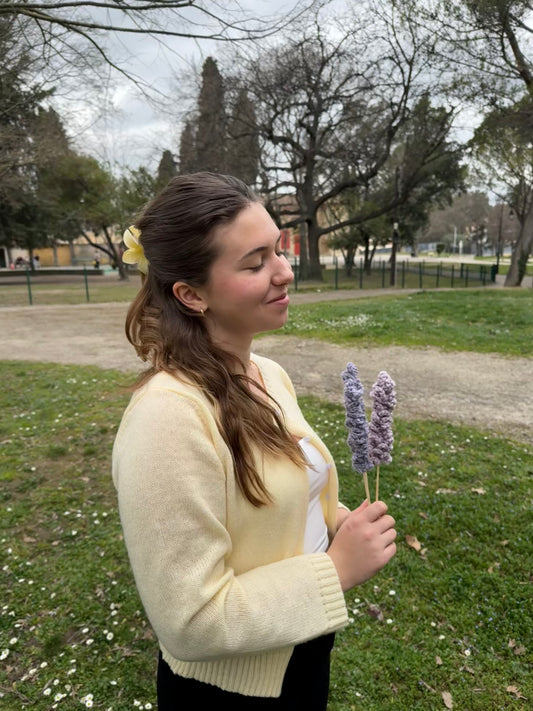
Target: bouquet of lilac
(370, 444)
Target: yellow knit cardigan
(225, 585)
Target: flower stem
(377, 482)
(365, 479)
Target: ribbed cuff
(331, 590)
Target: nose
(283, 273)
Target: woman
(228, 499)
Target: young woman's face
(246, 292)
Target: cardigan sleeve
(170, 470)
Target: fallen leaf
(438, 661)
(421, 483)
(29, 539)
(468, 669)
(423, 515)
(511, 644)
(504, 543)
(413, 542)
(375, 612)
(520, 650)
(447, 698)
(445, 491)
(479, 491)
(516, 693)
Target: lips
(281, 299)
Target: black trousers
(305, 686)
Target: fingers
(364, 505)
(389, 537)
(376, 510)
(363, 544)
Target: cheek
(240, 289)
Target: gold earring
(202, 312)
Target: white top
(316, 532)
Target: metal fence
(408, 275)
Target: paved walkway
(489, 391)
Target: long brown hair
(177, 237)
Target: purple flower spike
(380, 438)
(356, 419)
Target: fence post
(466, 276)
(382, 273)
(438, 275)
(336, 272)
(28, 282)
(420, 274)
(86, 283)
(453, 270)
(403, 274)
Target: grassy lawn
(453, 616)
(492, 320)
(50, 290)
(73, 289)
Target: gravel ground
(494, 393)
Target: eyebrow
(258, 250)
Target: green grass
(44, 293)
(446, 615)
(423, 274)
(72, 289)
(492, 320)
(460, 618)
(505, 264)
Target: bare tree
(486, 47)
(68, 26)
(504, 159)
(329, 108)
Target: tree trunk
(369, 255)
(349, 259)
(122, 273)
(303, 262)
(315, 268)
(521, 251)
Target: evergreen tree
(20, 218)
(211, 133)
(188, 161)
(166, 169)
(242, 148)
(135, 189)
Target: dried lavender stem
(367, 490)
(377, 482)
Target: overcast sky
(124, 128)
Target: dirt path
(492, 392)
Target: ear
(189, 296)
